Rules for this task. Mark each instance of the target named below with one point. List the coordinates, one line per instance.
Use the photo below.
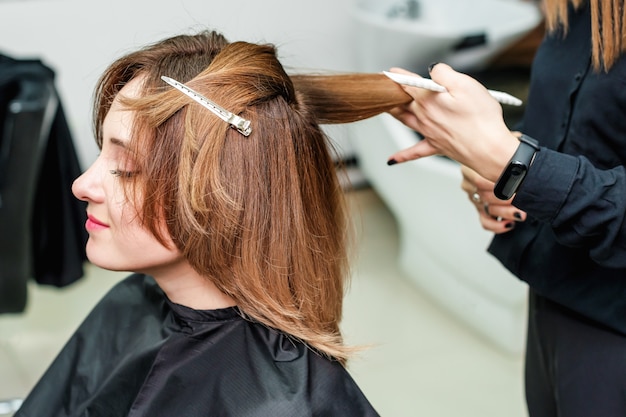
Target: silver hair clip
(242, 125)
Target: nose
(88, 186)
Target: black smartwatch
(515, 171)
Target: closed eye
(122, 173)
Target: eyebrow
(118, 142)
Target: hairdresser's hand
(465, 124)
(495, 215)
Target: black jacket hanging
(42, 232)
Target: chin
(105, 259)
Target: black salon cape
(138, 354)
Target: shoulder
(316, 382)
(334, 391)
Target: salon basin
(415, 33)
(442, 247)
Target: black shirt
(572, 249)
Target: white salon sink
(442, 245)
(414, 33)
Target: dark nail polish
(509, 225)
(430, 67)
(392, 162)
(517, 215)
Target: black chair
(28, 104)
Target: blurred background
(443, 322)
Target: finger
(477, 203)
(490, 219)
(420, 150)
(443, 74)
(483, 183)
(405, 116)
(504, 212)
(496, 226)
(403, 71)
(473, 178)
(415, 92)
(478, 189)
(468, 186)
(468, 173)
(454, 81)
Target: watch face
(517, 170)
(510, 180)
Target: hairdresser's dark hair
(263, 217)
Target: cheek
(122, 212)
(144, 251)
(125, 217)
(130, 230)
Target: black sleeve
(585, 206)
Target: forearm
(585, 206)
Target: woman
(564, 231)
(237, 237)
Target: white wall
(79, 38)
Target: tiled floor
(420, 361)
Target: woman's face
(117, 240)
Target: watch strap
(517, 168)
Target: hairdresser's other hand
(465, 124)
(497, 216)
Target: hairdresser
(554, 194)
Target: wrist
(497, 156)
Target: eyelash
(122, 174)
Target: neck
(186, 287)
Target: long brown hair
(262, 216)
(608, 27)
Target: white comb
(429, 84)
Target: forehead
(118, 122)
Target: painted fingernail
(509, 225)
(391, 162)
(430, 67)
(517, 215)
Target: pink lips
(94, 224)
